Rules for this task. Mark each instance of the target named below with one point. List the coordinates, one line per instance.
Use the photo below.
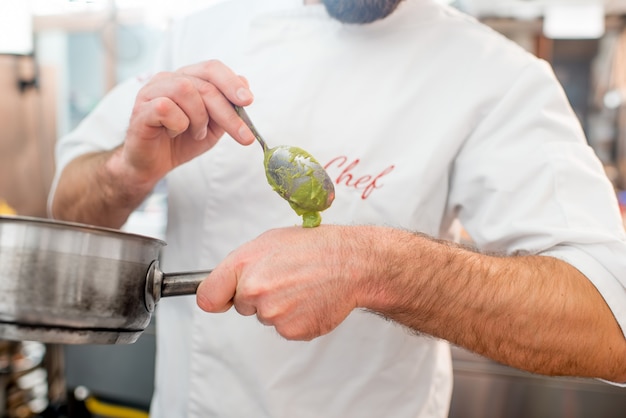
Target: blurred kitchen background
(59, 57)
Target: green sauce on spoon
(297, 177)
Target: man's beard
(360, 11)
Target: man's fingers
(223, 114)
(204, 93)
(245, 81)
(214, 72)
(219, 88)
(162, 112)
(215, 293)
(183, 92)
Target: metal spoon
(296, 176)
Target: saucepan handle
(159, 284)
(186, 283)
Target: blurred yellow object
(103, 409)
(5, 209)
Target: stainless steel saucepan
(69, 283)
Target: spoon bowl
(296, 176)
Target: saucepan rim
(80, 226)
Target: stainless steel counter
(484, 389)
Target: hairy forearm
(531, 312)
(97, 189)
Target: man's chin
(360, 11)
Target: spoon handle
(244, 116)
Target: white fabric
(421, 119)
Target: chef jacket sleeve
(527, 181)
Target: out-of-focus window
(157, 12)
(17, 31)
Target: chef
(423, 118)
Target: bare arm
(531, 312)
(89, 191)
(176, 117)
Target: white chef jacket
(420, 119)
